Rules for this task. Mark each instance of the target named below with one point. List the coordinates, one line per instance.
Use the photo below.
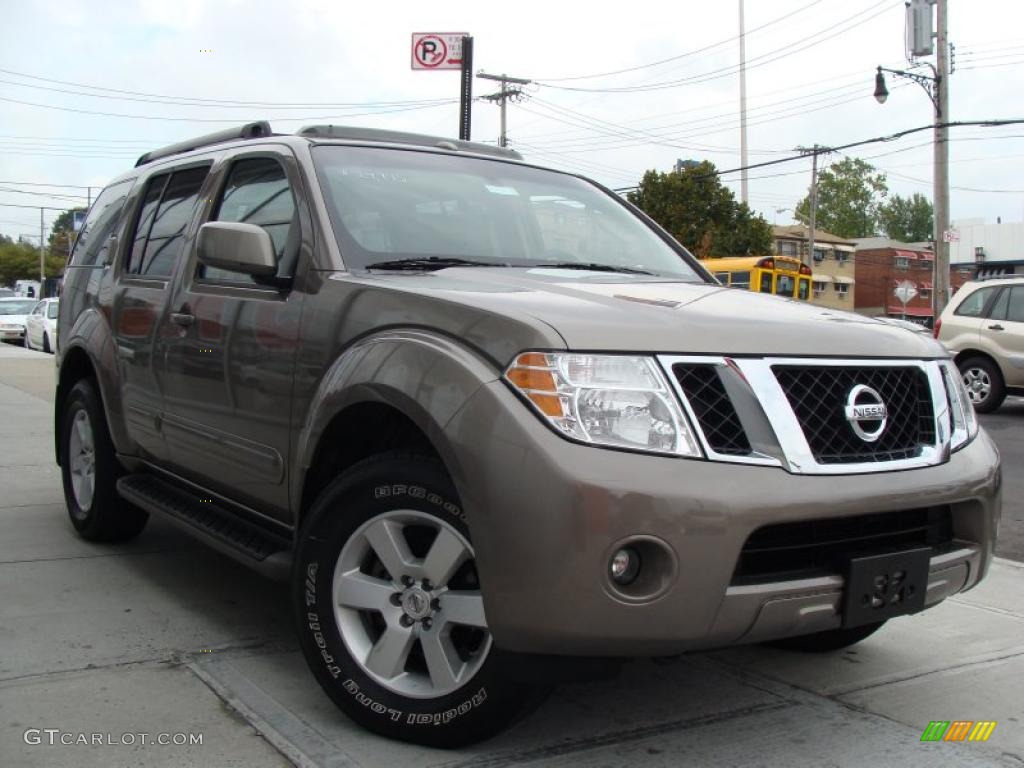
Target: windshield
(388, 205)
(17, 306)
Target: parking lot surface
(164, 637)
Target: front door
(228, 356)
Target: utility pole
(501, 98)
(940, 293)
(42, 256)
(813, 152)
(743, 108)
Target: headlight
(962, 416)
(611, 400)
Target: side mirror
(237, 247)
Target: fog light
(624, 566)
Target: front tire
(984, 383)
(389, 612)
(90, 470)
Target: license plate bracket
(879, 587)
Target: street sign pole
(466, 97)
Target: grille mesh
(818, 396)
(791, 550)
(713, 408)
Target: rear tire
(829, 640)
(984, 383)
(388, 608)
(90, 470)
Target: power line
(765, 58)
(681, 55)
(863, 142)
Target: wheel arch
(967, 354)
(394, 391)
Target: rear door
(141, 293)
(1004, 333)
(228, 353)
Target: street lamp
(936, 85)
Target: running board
(260, 549)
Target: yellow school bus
(780, 275)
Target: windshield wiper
(594, 267)
(430, 262)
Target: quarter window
(100, 223)
(257, 192)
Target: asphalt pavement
(114, 648)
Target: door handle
(996, 327)
(184, 319)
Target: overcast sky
(811, 66)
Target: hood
(597, 311)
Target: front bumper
(545, 515)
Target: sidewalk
(164, 636)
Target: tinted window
(740, 280)
(974, 305)
(257, 192)
(101, 222)
(1015, 313)
(150, 201)
(766, 282)
(167, 235)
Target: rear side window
(101, 222)
(974, 305)
(257, 192)
(1015, 312)
(167, 209)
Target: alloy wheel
(82, 460)
(408, 606)
(978, 384)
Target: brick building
(883, 264)
(833, 280)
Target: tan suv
(983, 327)
(495, 425)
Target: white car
(13, 312)
(41, 326)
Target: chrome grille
(818, 397)
(714, 410)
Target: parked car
(13, 312)
(6, 292)
(41, 326)
(983, 326)
(494, 424)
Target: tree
(909, 219)
(62, 233)
(848, 199)
(20, 261)
(702, 213)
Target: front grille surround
(773, 429)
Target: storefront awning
(925, 285)
(846, 280)
(906, 254)
(847, 248)
(822, 278)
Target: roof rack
(355, 133)
(248, 131)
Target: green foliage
(62, 234)
(848, 199)
(910, 219)
(702, 213)
(20, 261)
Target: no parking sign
(437, 50)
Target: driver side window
(257, 192)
